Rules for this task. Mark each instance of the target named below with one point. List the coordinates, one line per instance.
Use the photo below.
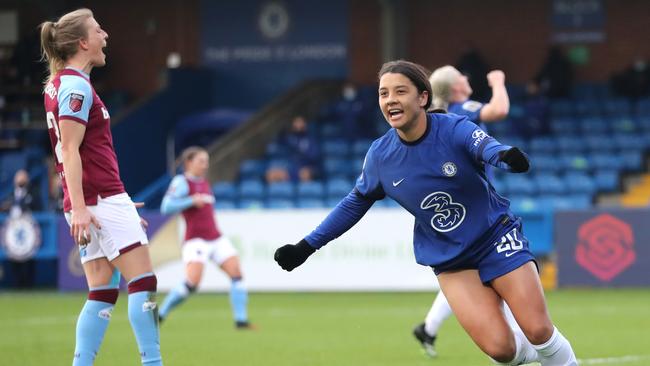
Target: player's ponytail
(441, 81)
(60, 40)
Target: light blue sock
(91, 327)
(175, 297)
(239, 300)
(143, 315)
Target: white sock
(556, 351)
(440, 311)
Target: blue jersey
(469, 108)
(440, 179)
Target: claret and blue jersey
(440, 179)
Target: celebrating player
(451, 91)
(103, 220)
(190, 194)
(433, 166)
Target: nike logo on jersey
(395, 184)
(511, 253)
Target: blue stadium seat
(514, 141)
(10, 163)
(599, 143)
(643, 107)
(250, 204)
(310, 203)
(251, 190)
(572, 202)
(593, 126)
(335, 148)
(225, 204)
(623, 125)
(564, 126)
(643, 123)
(336, 167)
(252, 169)
(310, 190)
(635, 142)
(632, 160)
(611, 162)
(580, 183)
(544, 162)
(224, 191)
(606, 180)
(280, 190)
(278, 203)
(523, 204)
(338, 188)
(617, 106)
(588, 108)
(571, 144)
(331, 130)
(332, 201)
(574, 162)
(500, 186)
(561, 108)
(360, 147)
(543, 144)
(550, 184)
(276, 150)
(519, 184)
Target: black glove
(291, 256)
(516, 159)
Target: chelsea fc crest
(21, 238)
(449, 169)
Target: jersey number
(51, 124)
(510, 241)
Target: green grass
(312, 329)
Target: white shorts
(199, 250)
(120, 224)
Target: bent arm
(72, 134)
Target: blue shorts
(502, 251)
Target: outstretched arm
(177, 197)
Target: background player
(103, 219)
(431, 165)
(451, 91)
(190, 194)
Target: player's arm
(499, 105)
(484, 148)
(344, 216)
(75, 99)
(177, 197)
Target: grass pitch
(605, 327)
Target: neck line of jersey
(193, 178)
(424, 135)
(87, 76)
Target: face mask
(349, 93)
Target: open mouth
(395, 113)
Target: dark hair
(418, 75)
(189, 153)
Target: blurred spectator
(534, 121)
(303, 154)
(634, 81)
(472, 64)
(350, 111)
(555, 78)
(56, 193)
(23, 199)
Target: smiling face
(95, 42)
(400, 101)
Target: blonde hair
(60, 40)
(441, 81)
(189, 153)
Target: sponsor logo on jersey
(50, 90)
(105, 113)
(448, 214)
(76, 101)
(472, 106)
(479, 135)
(449, 169)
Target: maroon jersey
(200, 222)
(70, 96)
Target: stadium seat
(276, 150)
(623, 125)
(252, 169)
(543, 144)
(550, 184)
(514, 141)
(337, 168)
(251, 190)
(10, 163)
(634, 142)
(564, 125)
(588, 108)
(310, 203)
(331, 130)
(519, 184)
(310, 190)
(279, 203)
(338, 188)
(224, 191)
(612, 162)
(599, 143)
(606, 180)
(561, 108)
(544, 162)
(225, 204)
(335, 148)
(632, 160)
(573, 162)
(499, 186)
(643, 107)
(617, 107)
(360, 148)
(280, 190)
(523, 204)
(594, 125)
(580, 183)
(250, 204)
(571, 144)
(572, 202)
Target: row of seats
(595, 106)
(256, 190)
(545, 183)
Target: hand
(197, 200)
(291, 256)
(81, 219)
(138, 204)
(516, 159)
(496, 77)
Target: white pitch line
(613, 360)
